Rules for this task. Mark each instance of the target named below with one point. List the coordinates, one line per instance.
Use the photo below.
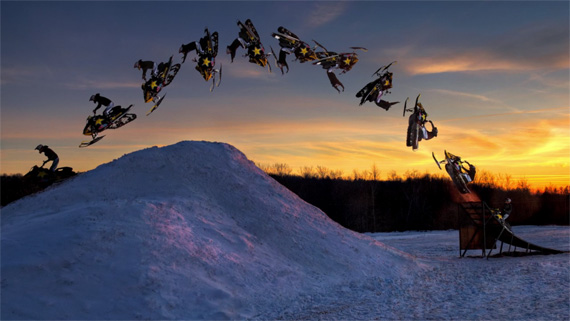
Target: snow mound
(189, 231)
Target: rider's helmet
(92, 98)
(138, 64)
(507, 200)
(39, 147)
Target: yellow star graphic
(99, 121)
(256, 51)
(347, 61)
(304, 51)
(206, 62)
(42, 174)
(153, 84)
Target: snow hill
(189, 231)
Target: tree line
(364, 203)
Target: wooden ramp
(508, 237)
(481, 230)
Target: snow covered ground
(195, 231)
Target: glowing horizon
(498, 92)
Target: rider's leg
(380, 93)
(54, 164)
(424, 132)
(108, 109)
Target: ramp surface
(507, 236)
(481, 216)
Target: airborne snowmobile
(374, 90)
(165, 75)
(416, 125)
(290, 43)
(207, 50)
(118, 117)
(248, 38)
(331, 60)
(460, 175)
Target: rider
(468, 174)
(146, 65)
(205, 62)
(507, 208)
(102, 101)
(422, 119)
(385, 84)
(231, 49)
(51, 155)
(382, 84)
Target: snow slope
(189, 231)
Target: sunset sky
(493, 77)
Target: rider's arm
(98, 106)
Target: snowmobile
(166, 73)
(416, 125)
(118, 117)
(42, 177)
(249, 38)
(330, 60)
(498, 214)
(460, 175)
(290, 43)
(207, 50)
(374, 90)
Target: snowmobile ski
(383, 68)
(156, 105)
(319, 45)
(219, 76)
(405, 106)
(277, 61)
(287, 33)
(285, 36)
(328, 58)
(251, 28)
(246, 28)
(435, 159)
(214, 84)
(90, 142)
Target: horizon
(493, 77)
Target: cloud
(526, 49)
(465, 95)
(324, 12)
(479, 60)
(22, 74)
(247, 70)
(557, 110)
(82, 84)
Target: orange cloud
(453, 60)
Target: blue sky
(493, 76)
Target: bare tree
(282, 169)
(307, 172)
(322, 172)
